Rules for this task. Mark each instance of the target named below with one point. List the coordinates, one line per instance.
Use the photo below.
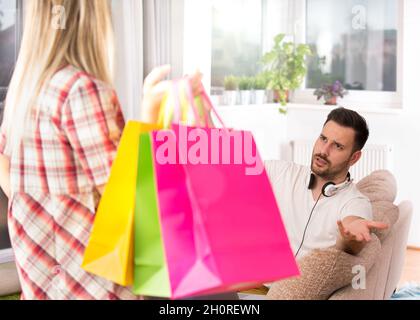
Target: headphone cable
(307, 224)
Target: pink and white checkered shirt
(65, 154)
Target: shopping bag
(109, 252)
(151, 276)
(203, 227)
(221, 227)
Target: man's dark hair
(351, 119)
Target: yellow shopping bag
(109, 253)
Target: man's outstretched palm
(359, 230)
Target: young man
(320, 205)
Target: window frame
(198, 38)
(18, 37)
(356, 99)
(198, 31)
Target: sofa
(331, 274)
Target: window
(355, 42)
(10, 28)
(236, 43)
(9, 41)
(242, 31)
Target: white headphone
(330, 189)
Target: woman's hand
(154, 89)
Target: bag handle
(191, 100)
(210, 106)
(180, 90)
(206, 103)
(179, 114)
(177, 111)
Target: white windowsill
(299, 106)
(313, 107)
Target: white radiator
(374, 157)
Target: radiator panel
(374, 157)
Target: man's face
(333, 151)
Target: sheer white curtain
(163, 34)
(280, 16)
(157, 28)
(128, 25)
(149, 33)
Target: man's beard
(329, 173)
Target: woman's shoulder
(72, 80)
(73, 89)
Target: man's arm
(355, 233)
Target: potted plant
(260, 88)
(245, 85)
(286, 67)
(231, 88)
(331, 92)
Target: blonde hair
(57, 33)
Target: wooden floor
(411, 271)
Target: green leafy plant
(261, 81)
(286, 66)
(231, 83)
(245, 83)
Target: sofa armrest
(323, 272)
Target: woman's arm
(154, 89)
(5, 174)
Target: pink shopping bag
(221, 226)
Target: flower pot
(277, 96)
(331, 102)
(259, 97)
(230, 97)
(245, 97)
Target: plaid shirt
(64, 155)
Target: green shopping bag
(151, 277)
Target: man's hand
(154, 89)
(355, 233)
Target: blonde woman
(60, 133)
